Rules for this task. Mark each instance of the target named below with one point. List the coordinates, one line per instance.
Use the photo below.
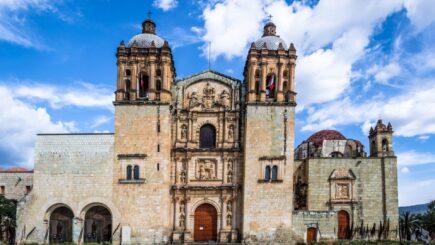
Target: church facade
(207, 158)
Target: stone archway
(98, 225)
(343, 225)
(61, 225)
(205, 223)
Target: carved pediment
(342, 174)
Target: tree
(8, 211)
(408, 224)
(428, 219)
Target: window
(158, 147)
(28, 189)
(158, 85)
(127, 89)
(2, 190)
(158, 73)
(136, 172)
(284, 86)
(336, 154)
(270, 85)
(143, 85)
(267, 173)
(128, 72)
(384, 145)
(207, 136)
(274, 173)
(129, 172)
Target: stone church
(207, 158)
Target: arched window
(267, 173)
(128, 72)
(372, 148)
(136, 172)
(158, 85)
(270, 86)
(127, 89)
(129, 172)
(257, 87)
(275, 173)
(336, 154)
(384, 145)
(143, 85)
(207, 136)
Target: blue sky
(358, 60)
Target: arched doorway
(343, 225)
(61, 225)
(207, 136)
(311, 234)
(98, 225)
(205, 223)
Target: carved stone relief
(229, 212)
(183, 131)
(231, 132)
(230, 171)
(206, 169)
(342, 191)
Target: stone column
(292, 80)
(263, 81)
(152, 79)
(77, 230)
(280, 94)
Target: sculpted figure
(193, 100)
(183, 131)
(225, 99)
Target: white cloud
(420, 12)
(100, 120)
(12, 24)
(165, 5)
(416, 192)
(411, 113)
(80, 95)
(404, 170)
(384, 74)
(409, 158)
(19, 124)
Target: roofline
(75, 134)
(209, 70)
(16, 172)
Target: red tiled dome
(14, 169)
(319, 137)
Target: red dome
(319, 137)
(15, 170)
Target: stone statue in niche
(206, 170)
(193, 100)
(230, 171)
(229, 212)
(300, 201)
(231, 132)
(182, 220)
(183, 176)
(183, 131)
(208, 98)
(225, 99)
(182, 206)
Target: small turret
(381, 140)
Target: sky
(358, 61)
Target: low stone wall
(324, 221)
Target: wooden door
(311, 234)
(205, 223)
(343, 224)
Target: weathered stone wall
(324, 221)
(268, 205)
(15, 183)
(72, 171)
(368, 191)
(145, 204)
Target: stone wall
(370, 187)
(145, 204)
(73, 171)
(16, 184)
(268, 205)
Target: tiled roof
(15, 170)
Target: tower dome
(148, 37)
(270, 39)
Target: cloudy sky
(358, 60)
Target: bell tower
(269, 136)
(381, 140)
(270, 68)
(146, 69)
(141, 170)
